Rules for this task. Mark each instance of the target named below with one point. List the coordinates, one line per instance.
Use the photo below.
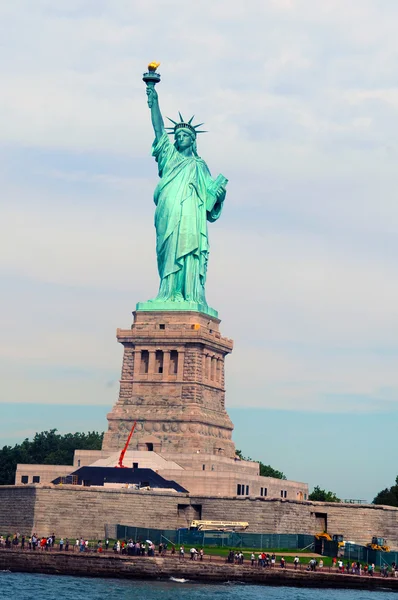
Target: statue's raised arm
(151, 79)
(156, 115)
(186, 199)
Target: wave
(179, 580)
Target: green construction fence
(218, 539)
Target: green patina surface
(186, 199)
(170, 305)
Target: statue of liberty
(185, 198)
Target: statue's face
(183, 139)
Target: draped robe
(184, 204)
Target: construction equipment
(219, 525)
(337, 537)
(379, 543)
(120, 465)
(323, 536)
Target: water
(26, 586)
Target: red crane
(123, 452)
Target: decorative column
(218, 371)
(208, 367)
(180, 367)
(166, 364)
(213, 368)
(137, 363)
(204, 363)
(151, 365)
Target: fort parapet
(74, 510)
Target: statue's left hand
(220, 193)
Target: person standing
(273, 559)
(296, 562)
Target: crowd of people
(132, 547)
(35, 542)
(357, 568)
(124, 547)
(137, 548)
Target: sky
(300, 99)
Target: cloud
(301, 104)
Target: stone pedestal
(172, 384)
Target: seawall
(95, 565)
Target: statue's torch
(151, 79)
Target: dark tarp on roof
(99, 475)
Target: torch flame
(153, 66)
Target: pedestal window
(159, 361)
(144, 361)
(173, 368)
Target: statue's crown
(184, 125)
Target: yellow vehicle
(337, 537)
(219, 525)
(323, 536)
(379, 543)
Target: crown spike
(201, 131)
(185, 124)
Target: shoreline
(155, 568)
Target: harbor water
(26, 586)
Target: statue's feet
(178, 297)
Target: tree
(322, 495)
(265, 470)
(47, 447)
(268, 471)
(389, 496)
